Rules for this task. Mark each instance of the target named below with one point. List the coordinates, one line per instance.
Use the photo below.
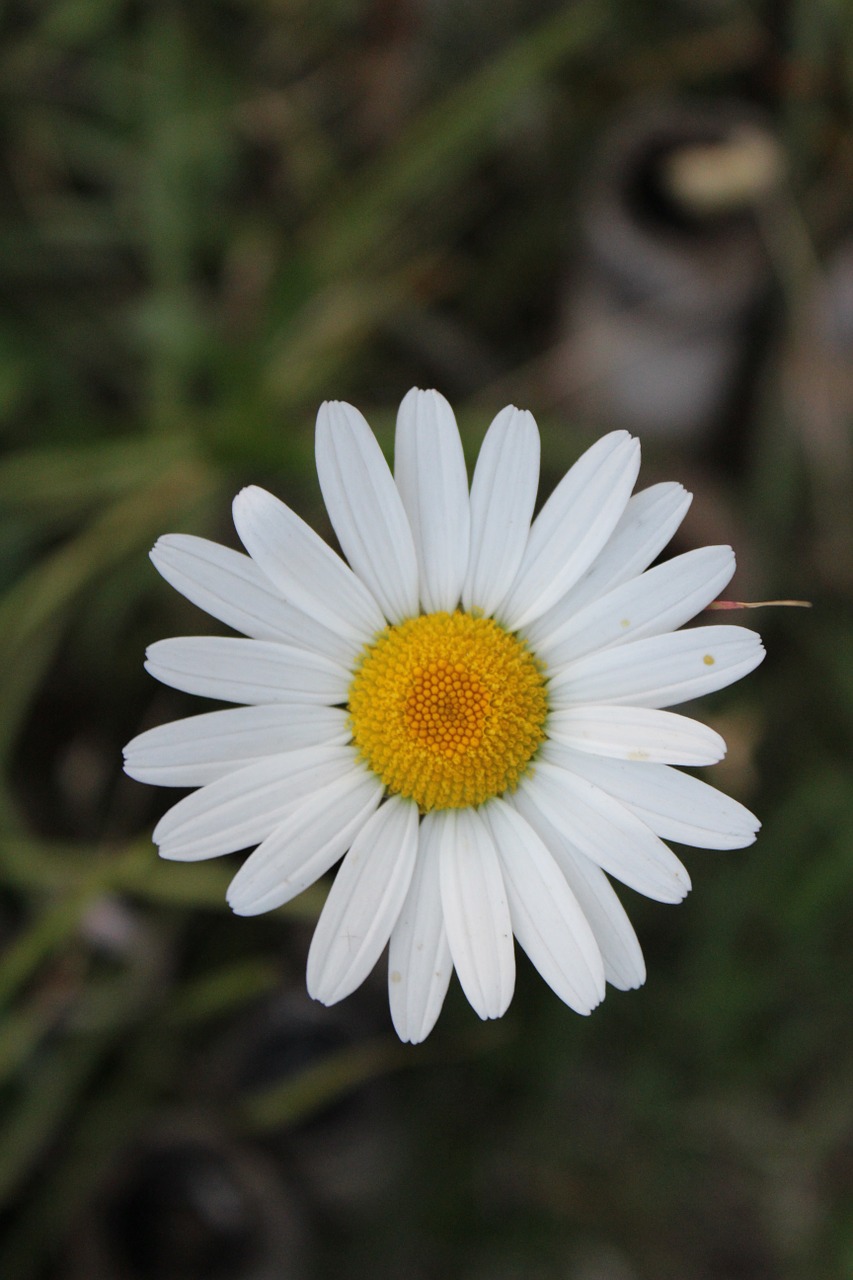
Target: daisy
(469, 712)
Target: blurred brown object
(671, 268)
(818, 387)
(186, 1202)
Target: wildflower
(470, 713)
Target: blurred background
(215, 214)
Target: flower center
(448, 709)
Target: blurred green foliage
(213, 217)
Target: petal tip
(681, 887)
(249, 496)
(240, 901)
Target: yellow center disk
(448, 709)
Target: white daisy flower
(469, 713)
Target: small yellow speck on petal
(709, 660)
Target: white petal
(636, 733)
(503, 494)
(200, 749)
(605, 831)
(572, 527)
(365, 509)
(674, 805)
(229, 586)
(661, 670)
(660, 600)
(242, 808)
(649, 521)
(305, 845)
(249, 671)
(614, 933)
(364, 902)
(476, 912)
(419, 962)
(429, 467)
(546, 917)
(305, 570)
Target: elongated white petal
(546, 917)
(229, 586)
(620, 950)
(645, 528)
(625, 967)
(249, 671)
(419, 961)
(364, 902)
(429, 468)
(503, 494)
(676, 806)
(660, 600)
(661, 670)
(312, 837)
(607, 832)
(476, 912)
(365, 509)
(305, 570)
(572, 527)
(636, 733)
(200, 749)
(243, 807)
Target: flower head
(469, 712)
